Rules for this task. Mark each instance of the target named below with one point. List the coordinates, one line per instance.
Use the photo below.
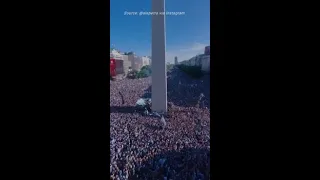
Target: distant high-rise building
(176, 60)
(207, 50)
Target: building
(126, 61)
(136, 61)
(145, 60)
(115, 54)
(205, 63)
(202, 60)
(150, 60)
(192, 61)
(126, 64)
(118, 59)
(176, 60)
(122, 63)
(112, 67)
(185, 62)
(207, 50)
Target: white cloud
(185, 53)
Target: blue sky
(186, 35)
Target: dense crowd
(142, 149)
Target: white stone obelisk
(159, 72)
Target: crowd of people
(142, 149)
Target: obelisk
(158, 51)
